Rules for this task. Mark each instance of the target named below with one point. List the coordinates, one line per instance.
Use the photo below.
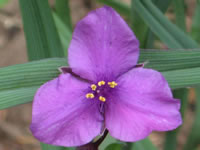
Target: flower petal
(62, 115)
(142, 103)
(102, 45)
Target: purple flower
(129, 101)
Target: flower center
(98, 90)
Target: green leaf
(165, 60)
(64, 32)
(150, 38)
(193, 139)
(63, 11)
(119, 6)
(170, 140)
(40, 31)
(108, 140)
(3, 2)
(195, 30)
(171, 136)
(145, 144)
(41, 37)
(51, 147)
(162, 5)
(35, 73)
(30, 74)
(162, 27)
(13, 97)
(183, 78)
(115, 146)
(138, 26)
(19, 82)
(179, 7)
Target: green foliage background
(48, 33)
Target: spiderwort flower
(129, 101)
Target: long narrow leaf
(64, 32)
(63, 11)
(36, 73)
(119, 6)
(109, 140)
(9, 98)
(163, 6)
(41, 35)
(193, 139)
(171, 136)
(196, 23)
(3, 2)
(30, 74)
(139, 27)
(51, 147)
(179, 7)
(145, 144)
(162, 27)
(164, 60)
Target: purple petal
(142, 103)
(102, 45)
(62, 115)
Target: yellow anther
(101, 98)
(112, 84)
(89, 95)
(100, 83)
(93, 87)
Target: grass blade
(145, 144)
(35, 73)
(30, 74)
(51, 147)
(63, 11)
(179, 7)
(9, 98)
(41, 37)
(139, 27)
(165, 60)
(196, 23)
(194, 137)
(183, 78)
(170, 140)
(163, 6)
(162, 27)
(117, 5)
(64, 32)
(3, 2)
(108, 140)
(40, 31)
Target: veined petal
(62, 115)
(102, 45)
(142, 103)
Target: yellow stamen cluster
(93, 87)
(89, 95)
(100, 83)
(101, 98)
(112, 84)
